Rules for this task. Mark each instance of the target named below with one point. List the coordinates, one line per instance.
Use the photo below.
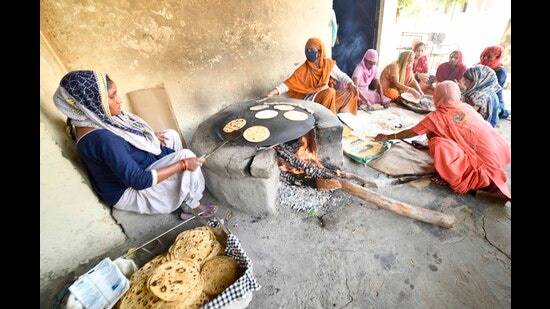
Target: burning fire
(305, 153)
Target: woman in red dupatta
(452, 70)
(310, 81)
(468, 153)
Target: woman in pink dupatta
(468, 153)
(366, 73)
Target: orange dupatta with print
(468, 153)
(307, 78)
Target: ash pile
(303, 198)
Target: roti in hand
(234, 125)
(256, 134)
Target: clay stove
(247, 177)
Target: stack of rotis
(192, 273)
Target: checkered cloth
(246, 283)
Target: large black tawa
(281, 129)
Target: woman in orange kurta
(468, 153)
(310, 81)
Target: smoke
(357, 28)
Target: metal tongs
(205, 156)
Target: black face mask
(311, 55)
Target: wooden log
(404, 209)
(366, 183)
(327, 184)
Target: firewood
(404, 209)
(327, 184)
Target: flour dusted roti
(295, 115)
(256, 134)
(409, 97)
(234, 125)
(283, 107)
(258, 107)
(266, 114)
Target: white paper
(100, 287)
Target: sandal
(439, 181)
(497, 197)
(419, 145)
(206, 211)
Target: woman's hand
(161, 137)
(423, 77)
(460, 85)
(193, 163)
(272, 93)
(381, 137)
(414, 92)
(353, 88)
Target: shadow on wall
(357, 28)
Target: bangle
(184, 164)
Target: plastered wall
(207, 53)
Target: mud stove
(246, 176)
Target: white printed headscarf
(83, 96)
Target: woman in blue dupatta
(131, 167)
(481, 87)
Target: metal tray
(161, 243)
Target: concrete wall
(208, 54)
(74, 227)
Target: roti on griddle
(234, 125)
(295, 115)
(258, 107)
(256, 134)
(266, 114)
(283, 107)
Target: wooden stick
(404, 209)
(365, 182)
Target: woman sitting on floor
(480, 86)
(130, 166)
(452, 70)
(420, 68)
(491, 57)
(468, 153)
(398, 77)
(365, 74)
(310, 81)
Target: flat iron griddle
(281, 129)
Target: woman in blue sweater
(130, 166)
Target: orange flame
(304, 153)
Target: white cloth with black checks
(246, 283)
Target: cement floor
(367, 257)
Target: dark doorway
(357, 28)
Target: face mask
(311, 56)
